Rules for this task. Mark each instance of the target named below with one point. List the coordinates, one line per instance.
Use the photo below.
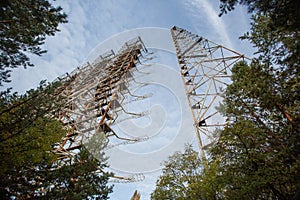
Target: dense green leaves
(24, 25)
(179, 172)
(258, 152)
(181, 177)
(29, 129)
(28, 169)
(82, 179)
(28, 132)
(27, 126)
(274, 31)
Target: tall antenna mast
(205, 68)
(94, 97)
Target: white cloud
(65, 51)
(195, 7)
(92, 21)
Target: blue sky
(92, 22)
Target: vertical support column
(205, 69)
(182, 64)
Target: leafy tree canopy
(28, 169)
(274, 30)
(28, 129)
(259, 150)
(84, 178)
(258, 153)
(24, 25)
(181, 177)
(283, 13)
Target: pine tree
(259, 149)
(180, 177)
(24, 25)
(28, 169)
(258, 152)
(28, 128)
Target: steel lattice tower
(94, 95)
(205, 69)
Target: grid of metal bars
(205, 70)
(94, 94)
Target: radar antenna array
(95, 93)
(94, 97)
(205, 68)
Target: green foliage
(27, 126)
(96, 144)
(24, 25)
(182, 178)
(274, 29)
(84, 178)
(284, 13)
(258, 153)
(29, 131)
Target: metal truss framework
(94, 95)
(205, 70)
